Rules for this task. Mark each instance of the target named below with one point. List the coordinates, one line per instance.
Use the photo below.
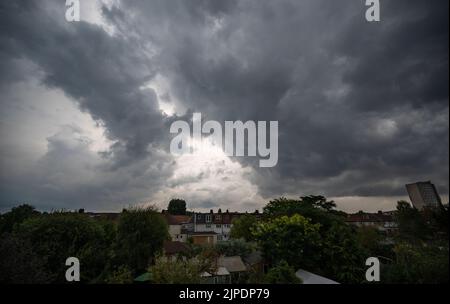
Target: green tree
(122, 275)
(418, 264)
(282, 274)
(140, 236)
(369, 238)
(242, 227)
(176, 271)
(412, 225)
(15, 217)
(55, 237)
(19, 264)
(235, 247)
(315, 207)
(293, 239)
(342, 256)
(177, 207)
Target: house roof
(233, 263)
(311, 278)
(176, 219)
(171, 247)
(221, 271)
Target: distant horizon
(388, 206)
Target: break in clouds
(86, 107)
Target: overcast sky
(363, 108)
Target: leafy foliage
(282, 274)
(122, 275)
(140, 236)
(181, 271)
(56, 236)
(291, 238)
(15, 217)
(235, 247)
(19, 264)
(315, 207)
(412, 225)
(242, 227)
(418, 264)
(177, 207)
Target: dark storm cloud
(362, 107)
(102, 73)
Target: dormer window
(208, 218)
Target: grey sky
(86, 107)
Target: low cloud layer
(86, 107)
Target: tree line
(307, 233)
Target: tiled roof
(232, 264)
(171, 247)
(176, 219)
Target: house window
(208, 225)
(218, 217)
(208, 218)
(199, 217)
(218, 226)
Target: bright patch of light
(209, 175)
(90, 11)
(166, 101)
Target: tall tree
(15, 217)
(293, 239)
(282, 274)
(314, 207)
(140, 236)
(55, 237)
(411, 223)
(177, 271)
(177, 207)
(242, 227)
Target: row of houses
(211, 227)
(383, 221)
(203, 228)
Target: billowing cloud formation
(362, 107)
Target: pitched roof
(311, 278)
(233, 263)
(176, 219)
(171, 247)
